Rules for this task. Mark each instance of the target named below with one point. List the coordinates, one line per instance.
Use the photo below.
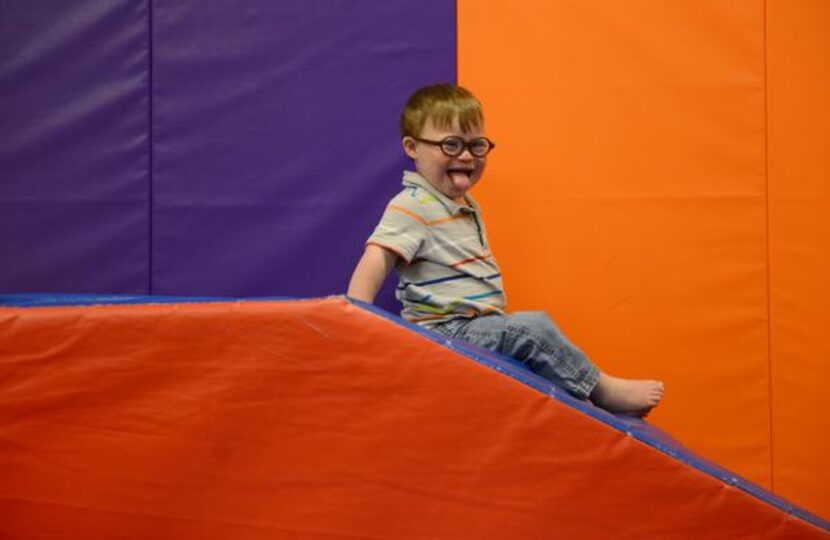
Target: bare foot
(626, 396)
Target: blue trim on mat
(52, 299)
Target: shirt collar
(411, 178)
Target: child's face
(452, 176)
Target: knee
(538, 326)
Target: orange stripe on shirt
(416, 217)
(472, 259)
(409, 213)
(469, 313)
(427, 318)
(446, 219)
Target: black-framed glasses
(454, 146)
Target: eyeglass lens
(454, 146)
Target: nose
(465, 155)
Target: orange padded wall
(799, 174)
(628, 197)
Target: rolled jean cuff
(585, 387)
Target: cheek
(439, 165)
(480, 167)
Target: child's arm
(371, 270)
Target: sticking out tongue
(461, 180)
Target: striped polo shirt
(446, 268)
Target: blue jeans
(532, 338)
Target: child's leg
(534, 339)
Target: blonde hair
(443, 103)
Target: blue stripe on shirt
(485, 295)
(449, 278)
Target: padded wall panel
(275, 136)
(73, 146)
(632, 140)
(799, 176)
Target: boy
(433, 234)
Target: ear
(409, 146)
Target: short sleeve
(401, 229)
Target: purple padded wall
(73, 146)
(272, 129)
(275, 136)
